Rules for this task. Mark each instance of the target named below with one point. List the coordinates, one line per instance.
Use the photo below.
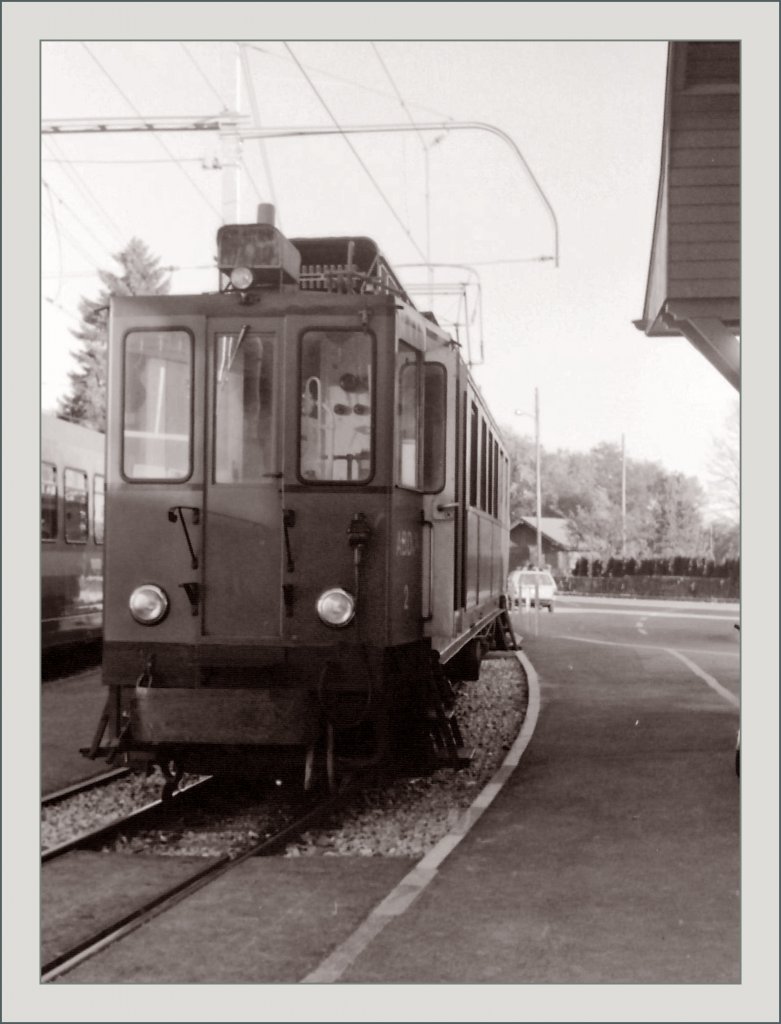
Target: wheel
(550, 608)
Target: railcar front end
(283, 496)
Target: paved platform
(611, 855)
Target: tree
(140, 275)
(724, 470)
(679, 528)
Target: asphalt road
(702, 634)
(612, 854)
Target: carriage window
(473, 457)
(48, 501)
(336, 406)
(98, 506)
(483, 465)
(157, 442)
(407, 466)
(76, 507)
(434, 418)
(243, 425)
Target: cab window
(336, 414)
(243, 421)
(157, 412)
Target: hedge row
(681, 565)
(679, 588)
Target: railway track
(148, 816)
(95, 782)
(111, 932)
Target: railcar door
(443, 482)
(243, 530)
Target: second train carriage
(307, 514)
(72, 504)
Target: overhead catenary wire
(53, 195)
(74, 243)
(160, 141)
(78, 180)
(422, 141)
(340, 78)
(59, 242)
(357, 156)
(204, 76)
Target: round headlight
(241, 277)
(336, 607)
(148, 604)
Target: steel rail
(95, 782)
(113, 828)
(88, 947)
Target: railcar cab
(291, 529)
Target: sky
(585, 116)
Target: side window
(473, 460)
(76, 507)
(98, 507)
(408, 411)
(495, 498)
(434, 432)
(157, 399)
(48, 501)
(483, 465)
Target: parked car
(523, 586)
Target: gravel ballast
(407, 817)
(399, 817)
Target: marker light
(336, 607)
(241, 278)
(148, 604)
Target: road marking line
(713, 683)
(724, 617)
(415, 881)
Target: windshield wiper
(176, 512)
(225, 370)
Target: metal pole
(539, 511)
(623, 497)
(230, 140)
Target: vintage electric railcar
(307, 518)
(72, 504)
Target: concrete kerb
(415, 881)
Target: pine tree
(140, 275)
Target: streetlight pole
(539, 480)
(538, 475)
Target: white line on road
(713, 683)
(724, 617)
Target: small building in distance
(559, 551)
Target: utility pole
(230, 139)
(538, 475)
(539, 478)
(623, 497)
